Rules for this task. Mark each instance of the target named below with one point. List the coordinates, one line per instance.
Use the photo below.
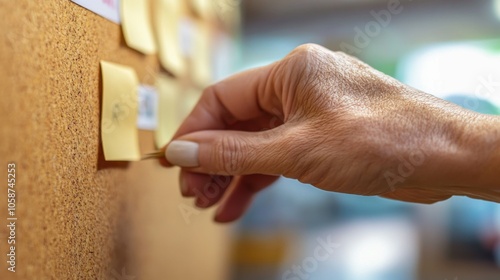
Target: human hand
(328, 120)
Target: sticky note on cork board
(168, 14)
(188, 100)
(136, 25)
(168, 107)
(206, 8)
(119, 134)
(202, 55)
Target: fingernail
(182, 153)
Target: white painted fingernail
(183, 153)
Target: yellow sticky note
(205, 8)
(201, 61)
(168, 107)
(167, 19)
(119, 135)
(136, 26)
(188, 100)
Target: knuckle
(302, 68)
(228, 155)
(308, 49)
(305, 55)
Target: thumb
(226, 152)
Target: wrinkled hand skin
(329, 120)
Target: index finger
(241, 97)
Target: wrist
(487, 146)
(474, 168)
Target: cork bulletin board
(79, 217)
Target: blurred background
(448, 48)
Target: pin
(153, 155)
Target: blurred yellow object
(167, 18)
(201, 60)
(189, 99)
(257, 250)
(168, 93)
(175, 103)
(203, 8)
(136, 26)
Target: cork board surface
(78, 216)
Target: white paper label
(147, 118)
(109, 9)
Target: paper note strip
(109, 9)
(205, 8)
(188, 100)
(136, 26)
(119, 113)
(201, 62)
(148, 108)
(167, 19)
(168, 107)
